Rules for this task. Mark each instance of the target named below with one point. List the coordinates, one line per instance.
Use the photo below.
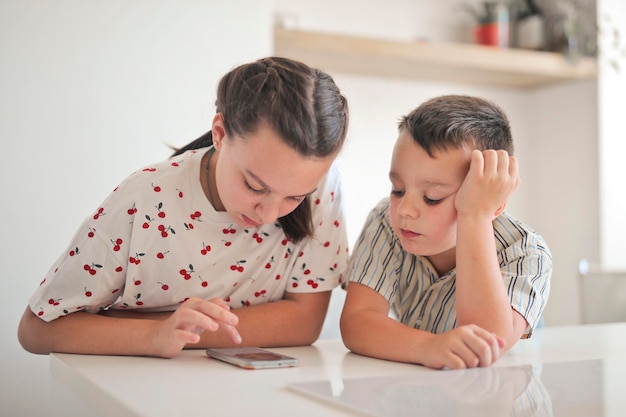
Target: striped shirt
(422, 299)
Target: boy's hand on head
(193, 317)
(467, 346)
(491, 179)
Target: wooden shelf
(465, 63)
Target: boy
(464, 279)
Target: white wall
(612, 102)
(91, 90)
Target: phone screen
(252, 357)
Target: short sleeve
(377, 255)
(90, 274)
(526, 267)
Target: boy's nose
(407, 208)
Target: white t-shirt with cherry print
(156, 241)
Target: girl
(240, 233)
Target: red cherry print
(203, 282)
(245, 303)
(277, 277)
(180, 193)
(137, 297)
(54, 302)
(227, 243)
(88, 293)
(149, 169)
(164, 287)
(332, 196)
(195, 215)
(118, 269)
(135, 259)
(188, 226)
(174, 164)
(284, 242)
(166, 230)
(99, 213)
(237, 265)
(300, 254)
(326, 244)
(268, 265)
(227, 299)
(117, 244)
(40, 313)
(132, 210)
(159, 208)
(229, 230)
(91, 268)
(259, 237)
(186, 274)
(137, 282)
(314, 283)
(317, 201)
(294, 284)
(156, 188)
(336, 223)
(205, 249)
(161, 255)
(74, 251)
(92, 232)
(115, 290)
(146, 224)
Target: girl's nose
(268, 211)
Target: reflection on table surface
(555, 389)
(569, 371)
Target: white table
(590, 359)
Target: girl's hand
(467, 346)
(490, 181)
(183, 327)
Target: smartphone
(252, 357)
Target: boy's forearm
(372, 334)
(481, 296)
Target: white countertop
(576, 371)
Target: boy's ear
(499, 210)
(217, 129)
